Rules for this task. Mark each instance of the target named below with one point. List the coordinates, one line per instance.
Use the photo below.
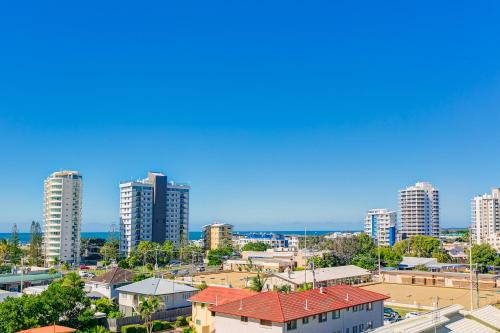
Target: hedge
(134, 329)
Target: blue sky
(279, 114)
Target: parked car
(200, 269)
(411, 315)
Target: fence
(115, 324)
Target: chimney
(321, 291)
(306, 308)
(216, 300)
(347, 297)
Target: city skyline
(279, 116)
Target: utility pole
(378, 247)
(305, 255)
(477, 287)
(470, 269)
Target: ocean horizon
(24, 237)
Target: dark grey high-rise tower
(159, 182)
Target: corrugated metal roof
(15, 278)
(155, 286)
(489, 314)
(324, 274)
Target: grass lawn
(403, 311)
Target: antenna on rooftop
(306, 306)
(347, 297)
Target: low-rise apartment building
(335, 309)
(173, 295)
(215, 233)
(325, 277)
(202, 318)
(271, 239)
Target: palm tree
(258, 282)
(146, 308)
(73, 280)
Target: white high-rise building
(486, 219)
(380, 224)
(155, 210)
(62, 217)
(419, 210)
(136, 215)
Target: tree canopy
(256, 246)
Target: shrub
(134, 329)
(157, 325)
(166, 325)
(181, 321)
(115, 314)
(188, 330)
(188, 319)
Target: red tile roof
(221, 295)
(49, 329)
(282, 307)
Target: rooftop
(282, 307)
(49, 329)
(155, 287)
(221, 295)
(13, 278)
(323, 274)
(115, 276)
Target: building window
(322, 317)
(369, 325)
(369, 306)
(361, 327)
(291, 325)
(266, 322)
(198, 322)
(202, 305)
(305, 320)
(212, 313)
(355, 329)
(244, 319)
(336, 314)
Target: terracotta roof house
(340, 308)
(107, 283)
(201, 316)
(49, 329)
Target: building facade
(486, 219)
(380, 224)
(62, 217)
(419, 210)
(336, 309)
(153, 209)
(271, 239)
(214, 234)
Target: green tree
(148, 252)
(286, 288)
(389, 257)
(256, 246)
(305, 286)
(146, 308)
(15, 252)
(4, 250)
(216, 256)
(484, 255)
(364, 260)
(258, 282)
(105, 305)
(98, 329)
(20, 313)
(66, 303)
(110, 250)
(35, 248)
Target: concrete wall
(348, 319)
(202, 318)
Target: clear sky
(279, 114)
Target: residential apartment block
(380, 224)
(272, 239)
(62, 217)
(419, 210)
(215, 233)
(153, 209)
(336, 309)
(486, 219)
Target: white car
(411, 315)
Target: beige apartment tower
(214, 234)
